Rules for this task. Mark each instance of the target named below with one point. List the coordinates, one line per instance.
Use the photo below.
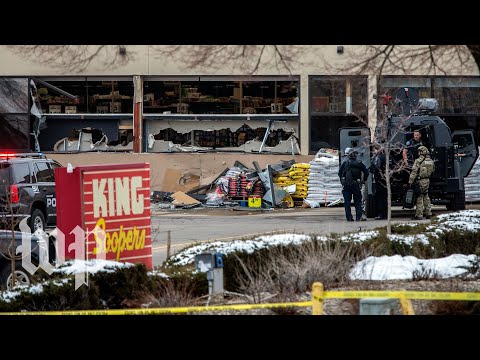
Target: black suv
(27, 190)
(22, 276)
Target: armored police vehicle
(454, 152)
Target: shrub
(460, 242)
(293, 269)
(124, 283)
(54, 296)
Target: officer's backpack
(426, 168)
(352, 172)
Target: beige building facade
(157, 100)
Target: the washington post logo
(77, 247)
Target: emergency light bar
(21, 155)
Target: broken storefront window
(244, 138)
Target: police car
(22, 276)
(27, 190)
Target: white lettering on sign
(111, 198)
(99, 199)
(137, 205)
(122, 196)
(52, 202)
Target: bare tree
(246, 58)
(385, 141)
(411, 59)
(75, 58)
(377, 59)
(427, 59)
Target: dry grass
(166, 294)
(293, 270)
(425, 273)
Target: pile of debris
(237, 186)
(282, 185)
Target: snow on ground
(91, 266)
(409, 239)
(360, 237)
(187, 256)
(372, 268)
(8, 296)
(405, 267)
(462, 220)
(69, 267)
(158, 273)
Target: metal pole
(267, 132)
(169, 243)
(137, 113)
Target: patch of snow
(187, 256)
(8, 296)
(360, 237)
(468, 220)
(409, 239)
(403, 267)
(158, 273)
(91, 266)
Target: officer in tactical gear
(350, 174)
(410, 151)
(419, 180)
(379, 164)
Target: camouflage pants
(424, 207)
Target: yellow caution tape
(415, 295)
(174, 310)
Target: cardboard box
(116, 107)
(72, 109)
(236, 93)
(182, 108)
(279, 108)
(54, 109)
(102, 109)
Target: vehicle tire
(458, 201)
(370, 209)
(22, 277)
(37, 220)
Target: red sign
(112, 198)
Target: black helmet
(351, 153)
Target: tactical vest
(427, 167)
(352, 172)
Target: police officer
(423, 168)
(410, 152)
(378, 169)
(350, 174)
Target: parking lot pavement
(191, 226)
